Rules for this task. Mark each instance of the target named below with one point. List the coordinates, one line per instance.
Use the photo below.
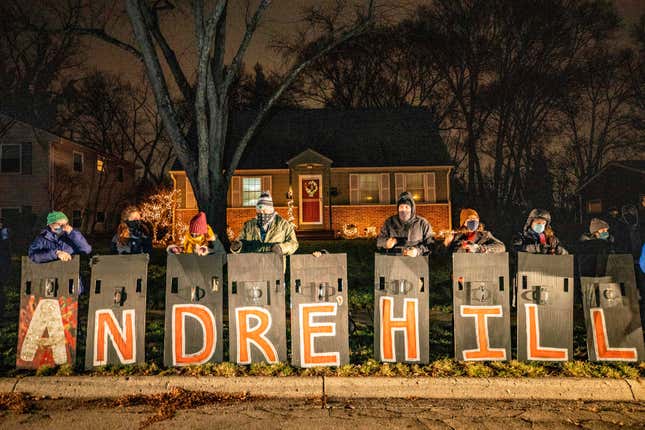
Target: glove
(276, 249)
(236, 245)
(472, 248)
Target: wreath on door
(311, 187)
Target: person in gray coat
(405, 233)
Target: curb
(86, 387)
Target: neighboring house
(618, 183)
(341, 167)
(40, 171)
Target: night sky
(279, 19)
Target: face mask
(472, 224)
(264, 218)
(58, 230)
(604, 235)
(538, 228)
(135, 228)
(133, 224)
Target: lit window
(10, 158)
(99, 165)
(414, 184)
(251, 189)
(594, 206)
(368, 188)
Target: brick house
(618, 183)
(341, 168)
(41, 171)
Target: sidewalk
(337, 387)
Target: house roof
(634, 165)
(11, 120)
(350, 138)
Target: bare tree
(33, 57)
(202, 149)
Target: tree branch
(290, 78)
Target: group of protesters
(404, 233)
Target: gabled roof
(54, 136)
(350, 138)
(633, 165)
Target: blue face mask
(472, 224)
(58, 230)
(604, 235)
(538, 228)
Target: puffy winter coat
(415, 233)
(280, 232)
(534, 243)
(43, 248)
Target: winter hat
(198, 224)
(597, 224)
(265, 199)
(405, 199)
(465, 214)
(55, 216)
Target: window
(642, 201)
(100, 217)
(77, 219)
(119, 174)
(11, 216)
(421, 185)
(10, 158)
(368, 191)
(191, 202)
(99, 165)
(414, 185)
(594, 206)
(78, 161)
(251, 188)
(369, 188)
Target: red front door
(310, 200)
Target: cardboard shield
(612, 313)
(256, 308)
(48, 313)
(319, 310)
(401, 309)
(194, 305)
(544, 307)
(481, 307)
(116, 323)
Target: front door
(311, 206)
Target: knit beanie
(55, 216)
(265, 199)
(198, 224)
(597, 224)
(465, 214)
(405, 199)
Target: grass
(360, 258)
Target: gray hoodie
(414, 233)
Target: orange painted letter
(534, 350)
(255, 335)
(310, 330)
(408, 324)
(123, 339)
(205, 318)
(481, 315)
(601, 341)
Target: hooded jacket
(43, 248)
(280, 232)
(189, 243)
(415, 233)
(627, 233)
(543, 243)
